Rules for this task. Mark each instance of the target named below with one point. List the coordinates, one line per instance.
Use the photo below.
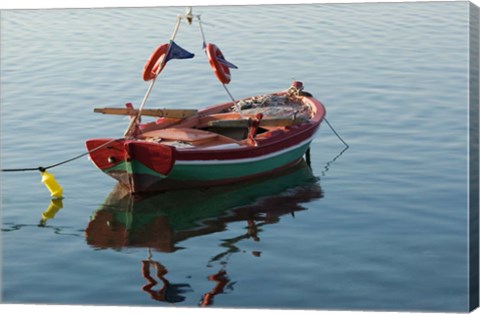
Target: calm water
(383, 226)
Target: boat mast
(188, 15)
(234, 102)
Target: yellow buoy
(49, 180)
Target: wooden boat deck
(220, 126)
(188, 138)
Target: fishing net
(275, 106)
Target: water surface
(383, 226)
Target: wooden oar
(167, 113)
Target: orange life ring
(151, 67)
(222, 72)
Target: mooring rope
(339, 137)
(42, 169)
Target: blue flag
(226, 63)
(177, 52)
(221, 59)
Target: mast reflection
(168, 292)
(222, 280)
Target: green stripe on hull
(209, 172)
(234, 170)
(138, 166)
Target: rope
(339, 137)
(201, 31)
(235, 103)
(42, 169)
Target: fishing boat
(219, 144)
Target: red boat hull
(145, 166)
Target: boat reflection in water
(159, 222)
